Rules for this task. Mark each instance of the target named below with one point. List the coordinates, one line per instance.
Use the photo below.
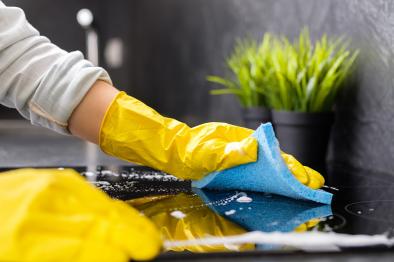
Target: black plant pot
(254, 116)
(304, 135)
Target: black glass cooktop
(360, 218)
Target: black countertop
(363, 203)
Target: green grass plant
(247, 64)
(292, 76)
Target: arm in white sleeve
(43, 82)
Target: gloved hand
(304, 174)
(135, 132)
(54, 215)
(199, 221)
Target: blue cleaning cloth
(268, 174)
(266, 212)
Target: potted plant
(247, 64)
(303, 88)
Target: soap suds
(330, 187)
(178, 214)
(230, 212)
(244, 199)
(316, 240)
(232, 247)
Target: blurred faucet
(86, 19)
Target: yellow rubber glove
(198, 221)
(304, 174)
(135, 132)
(311, 224)
(54, 215)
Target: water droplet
(230, 212)
(178, 214)
(244, 199)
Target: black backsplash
(172, 45)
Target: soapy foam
(244, 199)
(230, 212)
(330, 187)
(310, 240)
(178, 214)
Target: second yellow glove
(55, 215)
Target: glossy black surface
(365, 199)
(363, 204)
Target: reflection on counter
(225, 214)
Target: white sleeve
(43, 82)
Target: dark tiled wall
(171, 45)
(177, 43)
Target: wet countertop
(362, 210)
(358, 224)
(363, 204)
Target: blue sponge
(268, 174)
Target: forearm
(85, 121)
(43, 82)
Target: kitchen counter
(366, 256)
(363, 205)
(22, 144)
